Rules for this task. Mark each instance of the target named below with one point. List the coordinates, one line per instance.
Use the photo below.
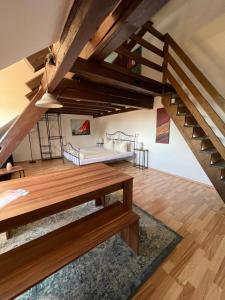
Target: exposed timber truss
(82, 79)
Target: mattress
(94, 155)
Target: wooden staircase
(192, 113)
(187, 113)
(200, 143)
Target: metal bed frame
(118, 136)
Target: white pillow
(109, 145)
(120, 147)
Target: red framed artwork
(162, 126)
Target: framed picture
(162, 126)
(80, 127)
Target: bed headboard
(120, 136)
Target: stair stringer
(195, 146)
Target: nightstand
(141, 158)
(99, 145)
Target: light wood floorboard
(195, 270)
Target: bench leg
(8, 235)
(100, 201)
(131, 236)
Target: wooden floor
(196, 268)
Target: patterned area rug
(110, 271)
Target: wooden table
(14, 169)
(28, 264)
(58, 191)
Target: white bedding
(94, 154)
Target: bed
(118, 146)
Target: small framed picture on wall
(80, 127)
(162, 126)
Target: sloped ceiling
(27, 26)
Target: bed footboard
(72, 153)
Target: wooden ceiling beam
(155, 87)
(80, 105)
(36, 61)
(103, 90)
(104, 106)
(138, 58)
(71, 112)
(73, 89)
(31, 94)
(124, 110)
(84, 18)
(124, 79)
(138, 13)
(84, 95)
(34, 83)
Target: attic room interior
(112, 150)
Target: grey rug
(110, 271)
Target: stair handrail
(167, 75)
(211, 90)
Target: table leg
(128, 194)
(100, 201)
(24, 174)
(131, 236)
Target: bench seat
(23, 267)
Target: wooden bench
(26, 265)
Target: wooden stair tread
(200, 138)
(209, 151)
(192, 125)
(184, 114)
(220, 165)
(26, 265)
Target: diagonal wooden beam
(138, 13)
(105, 75)
(105, 27)
(82, 23)
(84, 18)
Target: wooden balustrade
(169, 61)
(197, 94)
(211, 90)
(197, 115)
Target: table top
(4, 171)
(57, 191)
